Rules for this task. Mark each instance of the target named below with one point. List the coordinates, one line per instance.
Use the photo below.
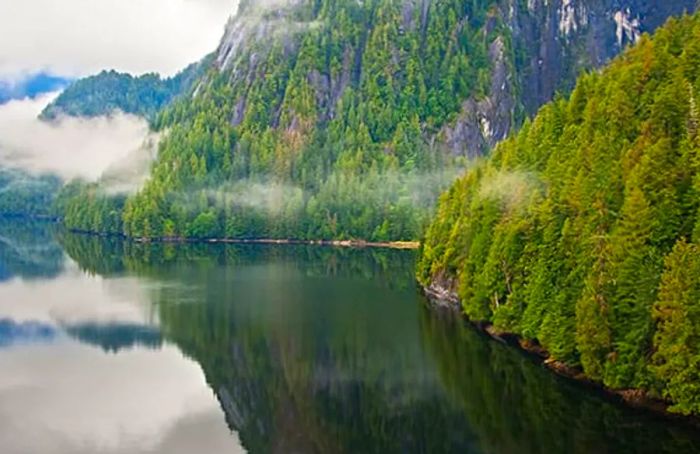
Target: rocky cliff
(553, 41)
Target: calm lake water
(111, 347)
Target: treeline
(344, 105)
(582, 231)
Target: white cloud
(71, 147)
(80, 37)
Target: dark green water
(111, 347)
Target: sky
(76, 38)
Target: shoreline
(401, 245)
(358, 244)
(405, 245)
(445, 299)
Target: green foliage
(561, 236)
(677, 340)
(108, 91)
(87, 208)
(339, 97)
(342, 120)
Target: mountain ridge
(110, 91)
(341, 114)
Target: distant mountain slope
(111, 91)
(582, 232)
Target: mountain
(338, 119)
(111, 91)
(31, 87)
(580, 233)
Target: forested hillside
(335, 119)
(582, 231)
(110, 91)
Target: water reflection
(292, 349)
(28, 250)
(12, 332)
(519, 407)
(113, 337)
(68, 397)
(326, 350)
(84, 366)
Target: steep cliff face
(533, 48)
(553, 41)
(562, 37)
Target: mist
(419, 190)
(513, 189)
(267, 196)
(70, 147)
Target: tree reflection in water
(312, 349)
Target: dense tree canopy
(581, 231)
(110, 91)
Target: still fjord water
(112, 347)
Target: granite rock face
(560, 38)
(553, 42)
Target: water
(111, 347)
